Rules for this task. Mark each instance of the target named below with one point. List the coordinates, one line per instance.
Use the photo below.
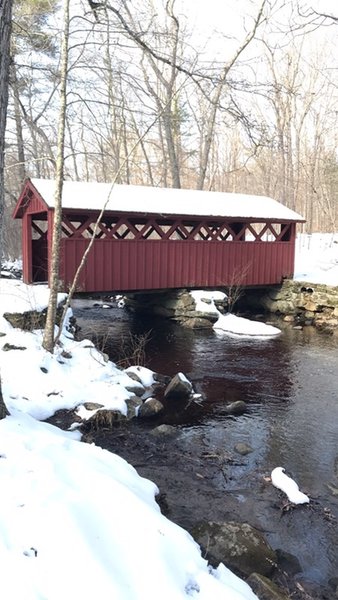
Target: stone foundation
(178, 305)
(300, 302)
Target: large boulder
(238, 545)
(179, 387)
(197, 323)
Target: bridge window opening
(164, 228)
(39, 250)
(285, 234)
(39, 229)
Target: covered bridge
(156, 238)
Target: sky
(77, 521)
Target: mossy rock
(238, 545)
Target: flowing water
(290, 384)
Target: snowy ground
(77, 521)
(317, 258)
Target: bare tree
(5, 33)
(49, 332)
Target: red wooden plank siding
(27, 248)
(114, 265)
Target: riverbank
(68, 506)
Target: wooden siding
(129, 265)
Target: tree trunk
(18, 125)
(5, 34)
(49, 338)
(3, 410)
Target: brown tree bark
(49, 337)
(3, 410)
(5, 35)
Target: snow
(288, 486)
(16, 296)
(145, 376)
(77, 521)
(183, 378)
(317, 258)
(169, 201)
(232, 324)
(205, 300)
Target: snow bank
(232, 324)
(77, 521)
(38, 383)
(16, 296)
(316, 258)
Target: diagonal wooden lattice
(160, 228)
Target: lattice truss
(123, 228)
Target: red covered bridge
(157, 238)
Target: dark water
(291, 386)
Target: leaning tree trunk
(5, 34)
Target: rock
(133, 404)
(163, 430)
(197, 323)
(104, 419)
(92, 405)
(333, 583)
(150, 408)
(289, 318)
(288, 562)
(266, 589)
(238, 545)
(311, 306)
(243, 448)
(236, 408)
(179, 387)
(333, 488)
(162, 379)
(134, 376)
(32, 319)
(8, 347)
(135, 387)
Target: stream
(290, 384)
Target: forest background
(178, 93)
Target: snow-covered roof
(168, 201)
